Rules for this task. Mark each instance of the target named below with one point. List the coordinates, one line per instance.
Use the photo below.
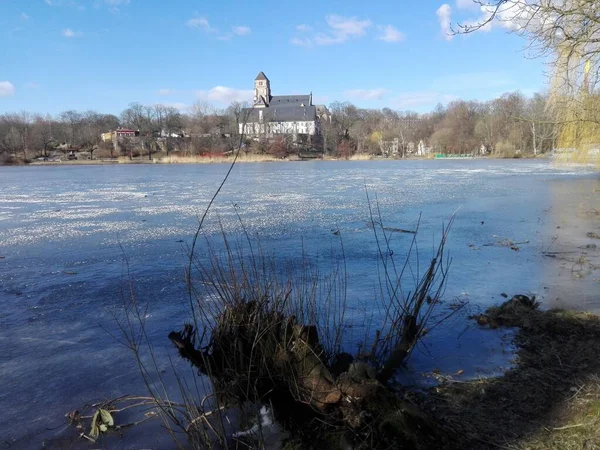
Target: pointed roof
(261, 76)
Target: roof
(261, 76)
(285, 113)
(289, 100)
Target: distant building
(423, 149)
(274, 115)
(119, 133)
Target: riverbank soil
(549, 400)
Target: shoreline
(254, 159)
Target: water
(66, 231)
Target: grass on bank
(250, 157)
(549, 400)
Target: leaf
(103, 428)
(95, 431)
(107, 418)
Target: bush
(9, 160)
(505, 150)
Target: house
(172, 134)
(119, 133)
(273, 115)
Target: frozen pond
(65, 232)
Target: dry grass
(264, 332)
(579, 424)
(361, 157)
(581, 156)
(248, 158)
(549, 400)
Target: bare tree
(16, 133)
(135, 117)
(568, 31)
(42, 136)
(73, 121)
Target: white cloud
(6, 89)
(68, 3)
(444, 15)
(224, 94)
(201, 23)
(513, 15)
(366, 94)
(32, 85)
(518, 14)
(242, 30)
(340, 29)
(467, 4)
(24, 16)
(348, 26)
(69, 33)
(165, 91)
(302, 42)
(390, 34)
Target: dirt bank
(549, 400)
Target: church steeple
(262, 91)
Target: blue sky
(103, 54)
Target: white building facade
(283, 114)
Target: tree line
(506, 126)
(510, 125)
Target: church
(273, 115)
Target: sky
(57, 55)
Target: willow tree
(568, 33)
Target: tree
(93, 124)
(346, 148)
(568, 33)
(42, 137)
(278, 147)
(456, 132)
(135, 117)
(344, 115)
(16, 133)
(236, 116)
(73, 121)
(168, 122)
(540, 120)
(568, 30)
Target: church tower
(262, 91)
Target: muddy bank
(549, 400)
